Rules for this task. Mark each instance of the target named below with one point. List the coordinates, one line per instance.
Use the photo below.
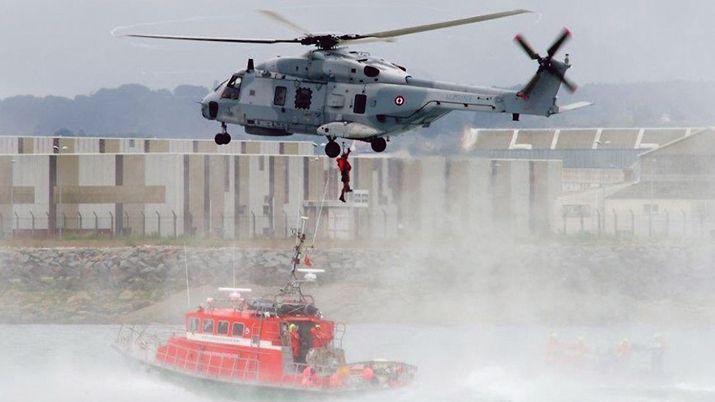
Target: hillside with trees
(135, 110)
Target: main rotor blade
(210, 39)
(367, 40)
(526, 47)
(285, 21)
(565, 34)
(440, 25)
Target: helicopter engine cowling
(350, 130)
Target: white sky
(64, 47)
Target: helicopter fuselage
(340, 94)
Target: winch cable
(320, 209)
(322, 201)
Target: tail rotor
(546, 63)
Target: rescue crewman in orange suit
(320, 339)
(345, 168)
(294, 341)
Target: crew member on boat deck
(320, 339)
(345, 168)
(294, 340)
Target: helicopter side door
(299, 104)
(289, 105)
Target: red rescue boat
(281, 342)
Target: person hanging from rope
(344, 166)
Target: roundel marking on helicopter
(399, 100)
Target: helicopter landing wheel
(222, 138)
(378, 144)
(332, 149)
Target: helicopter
(336, 92)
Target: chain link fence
(140, 224)
(628, 223)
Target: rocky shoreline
(499, 283)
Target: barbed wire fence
(247, 226)
(628, 223)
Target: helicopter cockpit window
(220, 85)
(279, 98)
(233, 88)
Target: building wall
(263, 196)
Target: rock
(126, 295)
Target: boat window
(237, 329)
(360, 102)
(279, 98)
(222, 328)
(208, 326)
(193, 324)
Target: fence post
(580, 218)
(126, 222)
(111, 223)
(615, 222)
(221, 227)
(141, 213)
(190, 220)
(285, 224)
(79, 221)
(32, 223)
(158, 223)
(175, 219)
(598, 223)
(47, 215)
(253, 217)
(650, 221)
(633, 223)
(96, 223)
(64, 225)
(565, 217)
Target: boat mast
(293, 285)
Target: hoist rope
(320, 210)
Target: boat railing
(297, 375)
(338, 335)
(149, 345)
(207, 364)
(142, 342)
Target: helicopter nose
(209, 107)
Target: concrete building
(591, 157)
(674, 190)
(259, 189)
(672, 193)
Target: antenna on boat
(293, 285)
(310, 273)
(234, 294)
(186, 274)
(299, 243)
(320, 210)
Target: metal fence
(140, 224)
(628, 223)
